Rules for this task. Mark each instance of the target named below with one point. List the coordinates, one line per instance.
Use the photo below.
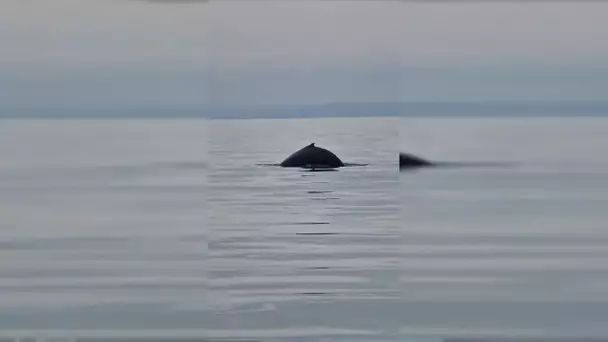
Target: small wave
(317, 234)
(314, 293)
(315, 168)
(462, 165)
(466, 164)
(267, 164)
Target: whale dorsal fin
(312, 145)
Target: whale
(407, 160)
(312, 156)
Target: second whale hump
(410, 161)
(312, 156)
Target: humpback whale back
(312, 156)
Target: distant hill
(337, 109)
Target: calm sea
(173, 228)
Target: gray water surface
(172, 228)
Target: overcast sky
(127, 52)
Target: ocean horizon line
(487, 109)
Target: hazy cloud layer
(88, 53)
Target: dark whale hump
(408, 160)
(312, 156)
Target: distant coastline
(341, 109)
